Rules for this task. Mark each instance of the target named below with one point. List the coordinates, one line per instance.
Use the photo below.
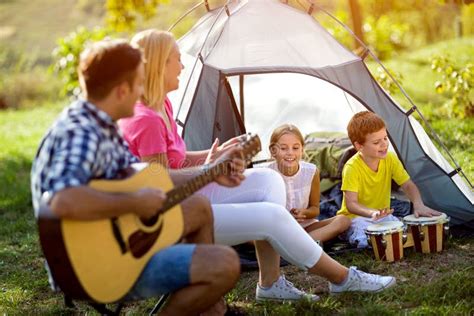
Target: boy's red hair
(362, 124)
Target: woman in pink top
(147, 135)
(255, 210)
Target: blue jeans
(167, 271)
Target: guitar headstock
(251, 146)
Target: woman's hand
(212, 155)
(233, 174)
(216, 151)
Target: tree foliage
(457, 83)
(66, 56)
(122, 15)
(386, 81)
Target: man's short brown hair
(106, 64)
(362, 124)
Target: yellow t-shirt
(372, 188)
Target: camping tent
(252, 65)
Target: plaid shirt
(83, 144)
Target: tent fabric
(269, 41)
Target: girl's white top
(298, 187)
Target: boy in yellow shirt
(366, 178)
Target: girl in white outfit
(302, 184)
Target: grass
(427, 284)
(430, 284)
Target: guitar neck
(180, 193)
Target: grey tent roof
(261, 38)
(234, 43)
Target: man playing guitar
(84, 144)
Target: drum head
(384, 227)
(411, 219)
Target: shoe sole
(274, 299)
(392, 283)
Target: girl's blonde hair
(282, 130)
(156, 46)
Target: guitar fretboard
(178, 194)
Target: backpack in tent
(326, 151)
(252, 65)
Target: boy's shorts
(167, 271)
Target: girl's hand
(298, 214)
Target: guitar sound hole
(149, 221)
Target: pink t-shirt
(146, 134)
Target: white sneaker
(282, 289)
(362, 281)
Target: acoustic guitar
(101, 260)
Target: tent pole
(196, 61)
(414, 107)
(187, 13)
(241, 97)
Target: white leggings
(255, 210)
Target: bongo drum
(428, 232)
(387, 240)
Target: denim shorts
(167, 271)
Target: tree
(356, 14)
(122, 15)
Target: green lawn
(427, 284)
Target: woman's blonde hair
(282, 130)
(156, 46)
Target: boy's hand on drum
(381, 213)
(424, 211)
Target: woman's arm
(196, 158)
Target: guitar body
(101, 260)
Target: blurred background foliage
(33, 38)
(66, 56)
